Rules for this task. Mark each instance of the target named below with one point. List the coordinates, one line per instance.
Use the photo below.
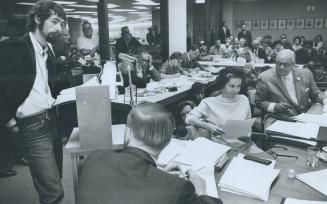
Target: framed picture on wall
(309, 23)
(256, 25)
(290, 23)
(272, 24)
(248, 24)
(319, 22)
(300, 23)
(264, 24)
(281, 24)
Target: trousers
(37, 137)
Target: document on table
(174, 148)
(312, 118)
(286, 130)
(253, 181)
(297, 201)
(238, 128)
(70, 93)
(315, 179)
(208, 174)
(201, 152)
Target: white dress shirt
(40, 97)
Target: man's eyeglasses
(275, 155)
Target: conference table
(282, 186)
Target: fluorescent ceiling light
(96, 1)
(146, 2)
(82, 6)
(140, 12)
(127, 10)
(74, 16)
(157, 7)
(84, 12)
(110, 6)
(65, 2)
(68, 9)
(199, 1)
(26, 3)
(140, 7)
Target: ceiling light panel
(146, 2)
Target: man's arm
(261, 96)
(315, 94)
(189, 196)
(155, 75)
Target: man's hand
(198, 182)
(281, 107)
(174, 169)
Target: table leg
(75, 172)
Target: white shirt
(87, 43)
(289, 83)
(40, 97)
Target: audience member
(197, 93)
(285, 91)
(317, 42)
(302, 39)
(87, 43)
(212, 37)
(126, 43)
(268, 50)
(268, 39)
(217, 49)
(172, 67)
(224, 32)
(109, 176)
(286, 44)
(297, 44)
(189, 59)
(258, 51)
(157, 35)
(182, 109)
(278, 47)
(246, 34)
(150, 38)
(203, 48)
(213, 112)
(228, 52)
(306, 53)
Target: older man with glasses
(286, 90)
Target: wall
(277, 9)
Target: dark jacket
(247, 36)
(261, 54)
(128, 48)
(222, 35)
(17, 75)
(131, 177)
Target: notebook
(315, 179)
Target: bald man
(286, 91)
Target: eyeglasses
(275, 155)
(279, 64)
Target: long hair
(44, 9)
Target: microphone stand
(130, 88)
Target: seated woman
(213, 112)
(181, 111)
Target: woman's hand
(214, 129)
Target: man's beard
(52, 37)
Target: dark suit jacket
(222, 35)
(247, 36)
(123, 47)
(189, 63)
(261, 54)
(131, 177)
(17, 75)
(271, 89)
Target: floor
(19, 189)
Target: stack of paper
(312, 118)
(70, 93)
(201, 152)
(316, 179)
(297, 201)
(287, 130)
(200, 155)
(254, 180)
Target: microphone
(126, 57)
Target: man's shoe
(7, 173)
